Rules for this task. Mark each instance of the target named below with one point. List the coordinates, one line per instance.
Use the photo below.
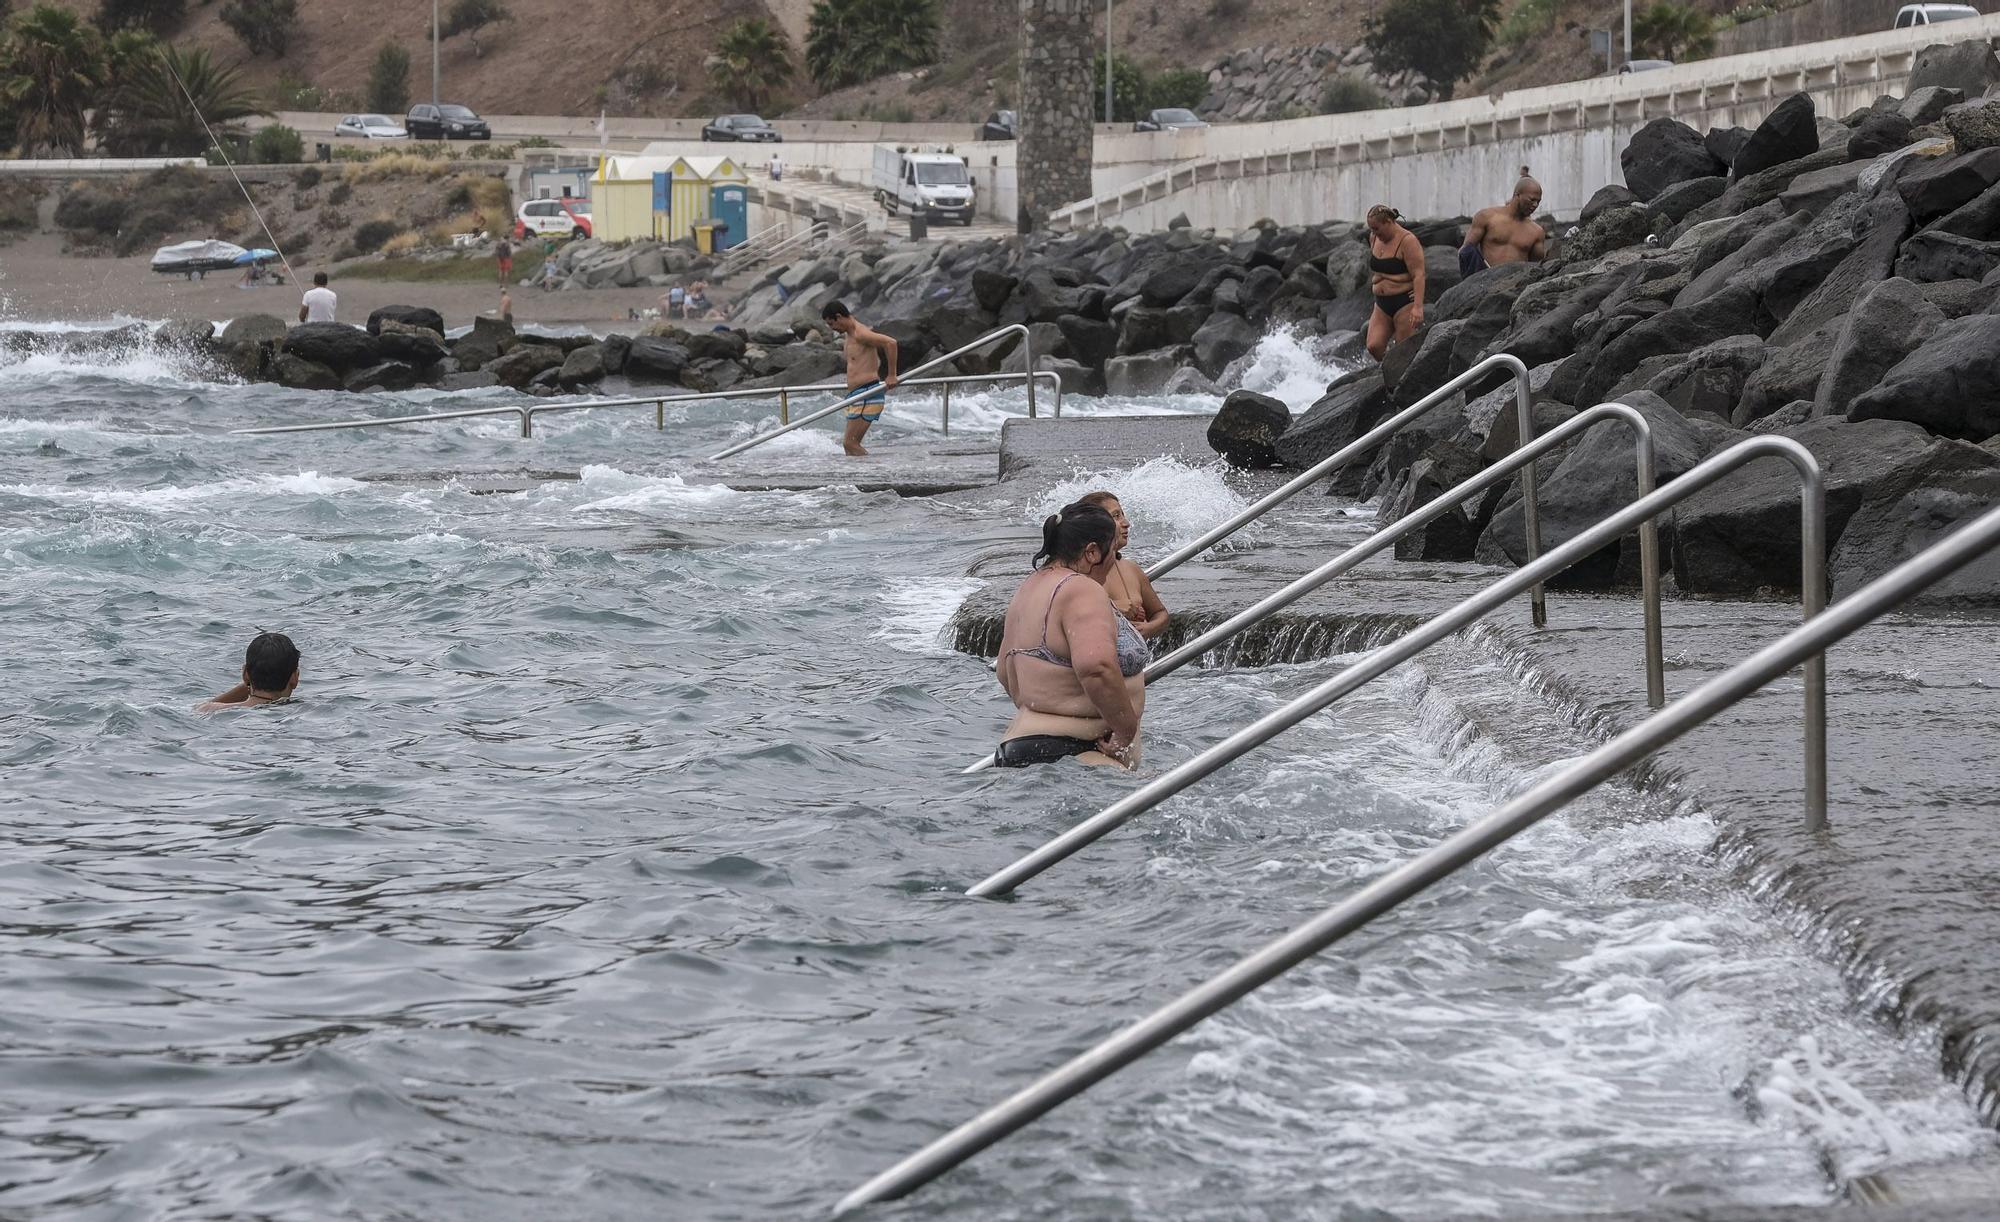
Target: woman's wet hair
(1065, 535)
(270, 661)
(1383, 212)
(1102, 499)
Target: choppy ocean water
(607, 866)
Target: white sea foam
(303, 483)
(1169, 501)
(1287, 366)
(919, 609)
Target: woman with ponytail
(1075, 668)
(1396, 259)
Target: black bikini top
(1387, 267)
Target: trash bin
(704, 237)
(323, 152)
(919, 226)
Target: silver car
(370, 127)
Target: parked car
(1171, 119)
(1000, 125)
(371, 127)
(1930, 14)
(570, 215)
(1643, 65)
(447, 122)
(748, 128)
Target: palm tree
(850, 41)
(750, 62)
(53, 62)
(1674, 31)
(148, 112)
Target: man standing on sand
(503, 254)
(1506, 234)
(319, 302)
(871, 373)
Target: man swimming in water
(270, 672)
(1506, 234)
(871, 367)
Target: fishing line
(254, 209)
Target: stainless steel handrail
(1524, 410)
(1027, 346)
(1805, 643)
(1812, 564)
(528, 411)
(1649, 552)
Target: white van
(935, 185)
(1931, 14)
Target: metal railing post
(1387, 658)
(1808, 641)
(527, 421)
(945, 413)
(784, 407)
(1385, 538)
(1028, 347)
(1348, 453)
(1524, 407)
(660, 415)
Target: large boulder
(1146, 328)
(1709, 379)
(1733, 311)
(1246, 431)
(582, 367)
(185, 334)
(408, 342)
(1611, 195)
(1890, 321)
(1787, 375)
(1977, 218)
(252, 329)
(1764, 186)
(298, 373)
(1350, 408)
(1611, 229)
(1789, 132)
(1723, 143)
(1663, 153)
(1684, 197)
(388, 375)
(488, 337)
(1945, 183)
(1432, 365)
(1596, 477)
(1947, 485)
(335, 345)
(1047, 300)
(1879, 133)
(1950, 384)
(1144, 373)
(1761, 243)
(1878, 232)
(1171, 281)
(409, 315)
(1931, 257)
(652, 359)
(730, 345)
(1462, 299)
(1545, 325)
(1221, 341)
(1928, 104)
(991, 289)
(1969, 67)
(1740, 535)
(914, 343)
(1090, 341)
(520, 366)
(1814, 191)
(1453, 534)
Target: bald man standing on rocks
(1506, 234)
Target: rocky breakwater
(403, 347)
(1835, 282)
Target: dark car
(747, 128)
(1000, 125)
(1168, 120)
(447, 122)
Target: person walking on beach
(1397, 260)
(871, 369)
(1506, 233)
(503, 254)
(270, 673)
(777, 168)
(319, 302)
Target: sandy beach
(39, 283)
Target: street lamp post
(1628, 31)
(1107, 60)
(434, 51)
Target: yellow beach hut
(624, 202)
(693, 191)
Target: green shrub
(341, 193)
(370, 235)
(1445, 40)
(751, 62)
(1678, 32)
(277, 145)
(307, 178)
(1530, 19)
(159, 16)
(1184, 87)
(851, 41)
(389, 80)
(263, 25)
(1347, 94)
(1128, 89)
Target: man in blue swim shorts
(871, 370)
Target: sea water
(609, 863)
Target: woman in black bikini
(1397, 260)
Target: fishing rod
(231, 166)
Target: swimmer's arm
(887, 345)
(1541, 251)
(1156, 611)
(235, 695)
(1094, 657)
(1476, 235)
(1417, 271)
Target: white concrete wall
(1455, 157)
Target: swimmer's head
(1382, 218)
(1082, 537)
(837, 317)
(1108, 502)
(271, 664)
(1527, 195)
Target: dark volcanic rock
(521, 366)
(1723, 143)
(407, 342)
(1764, 186)
(1879, 230)
(1092, 342)
(728, 345)
(1978, 218)
(389, 375)
(1464, 298)
(615, 349)
(1684, 197)
(1928, 104)
(1550, 334)
(1661, 154)
(1950, 384)
(1432, 365)
(302, 374)
(991, 289)
(1144, 373)
(1932, 256)
(1969, 67)
(1948, 484)
(1890, 321)
(252, 329)
(1349, 409)
(581, 367)
(334, 344)
(1047, 300)
(1597, 474)
(1945, 183)
(408, 315)
(1454, 532)
(1974, 125)
(1733, 311)
(1709, 379)
(1611, 196)
(187, 334)
(1814, 191)
(1246, 431)
(1788, 374)
(1764, 240)
(1221, 340)
(477, 380)
(1789, 132)
(1612, 229)
(1147, 328)
(1740, 536)
(1171, 282)
(1879, 133)
(483, 343)
(915, 343)
(659, 360)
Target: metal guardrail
(1812, 563)
(1367, 442)
(1522, 458)
(1807, 643)
(528, 411)
(1027, 347)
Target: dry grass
(396, 165)
(493, 202)
(404, 243)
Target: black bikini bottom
(1394, 304)
(1039, 749)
